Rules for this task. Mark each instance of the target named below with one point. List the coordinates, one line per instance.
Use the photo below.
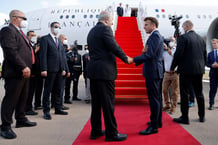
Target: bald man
(190, 58)
(16, 72)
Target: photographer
(75, 67)
(171, 78)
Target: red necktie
(33, 57)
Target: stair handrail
(140, 20)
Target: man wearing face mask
(63, 39)
(31, 36)
(171, 78)
(18, 60)
(53, 68)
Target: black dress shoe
(76, 99)
(149, 123)
(148, 131)
(25, 124)
(65, 108)
(97, 135)
(68, 102)
(38, 107)
(47, 116)
(211, 107)
(60, 112)
(8, 134)
(202, 119)
(181, 120)
(117, 137)
(31, 112)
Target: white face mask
(56, 30)
(23, 24)
(33, 39)
(65, 42)
(87, 51)
(171, 44)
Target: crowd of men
(39, 69)
(28, 62)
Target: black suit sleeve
(181, 43)
(43, 54)
(10, 47)
(112, 44)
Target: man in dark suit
(16, 72)
(212, 63)
(102, 71)
(53, 68)
(190, 58)
(33, 78)
(120, 10)
(152, 58)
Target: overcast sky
(29, 5)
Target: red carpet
(129, 83)
(132, 118)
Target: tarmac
(63, 130)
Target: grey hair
(104, 15)
(188, 23)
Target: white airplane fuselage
(76, 21)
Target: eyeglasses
(24, 18)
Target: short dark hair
(53, 23)
(28, 33)
(153, 20)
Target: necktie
(33, 57)
(56, 41)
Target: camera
(70, 56)
(175, 22)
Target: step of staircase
(130, 77)
(130, 91)
(130, 83)
(129, 70)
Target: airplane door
(34, 20)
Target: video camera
(175, 22)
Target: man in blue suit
(53, 67)
(152, 57)
(212, 63)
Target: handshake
(130, 60)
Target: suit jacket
(119, 11)
(103, 50)
(153, 58)
(211, 58)
(17, 52)
(190, 55)
(52, 58)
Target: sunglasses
(57, 27)
(24, 18)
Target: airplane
(76, 21)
